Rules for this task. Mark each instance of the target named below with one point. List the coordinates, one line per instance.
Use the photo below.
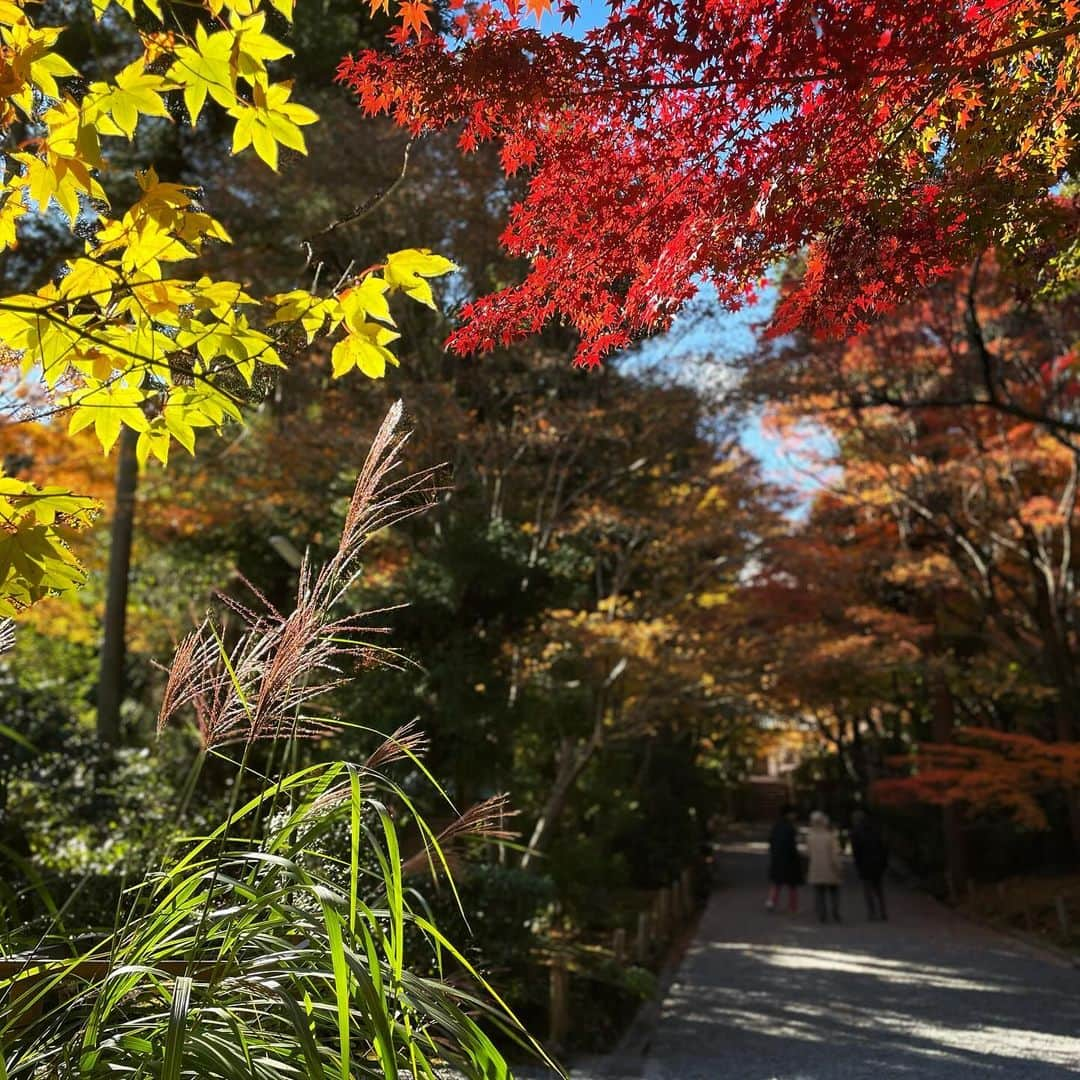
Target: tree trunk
(572, 761)
(110, 691)
(1065, 730)
(952, 822)
(1060, 668)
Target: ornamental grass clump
(263, 683)
(284, 944)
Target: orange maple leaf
(538, 7)
(414, 16)
(379, 5)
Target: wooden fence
(1029, 910)
(660, 923)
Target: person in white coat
(825, 870)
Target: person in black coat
(871, 858)
(785, 864)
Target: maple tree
(986, 770)
(981, 338)
(646, 655)
(948, 524)
(122, 335)
(982, 499)
(678, 144)
(834, 639)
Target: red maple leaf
(709, 141)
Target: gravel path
(764, 996)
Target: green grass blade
(376, 1005)
(341, 983)
(355, 806)
(174, 1039)
(394, 893)
(301, 1024)
(433, 931)
(10, 733)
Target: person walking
(871, 858)
(785, 865)
(824, 851)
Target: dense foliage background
(611, 612)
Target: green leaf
(332, 922)
(34, 563)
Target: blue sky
(593, 14)
(710, 331)
(720, 333)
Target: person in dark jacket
(785, 864)
(871, 858)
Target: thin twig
(366, 207)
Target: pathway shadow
(769, 997)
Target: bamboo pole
(663, 913)
(641, 942)
(618, 945)
(1062, 909)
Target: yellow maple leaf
(32, 60)
(252, 48)
(116, 108)
(11, 13)
(408, 270)
(365, 349)
(107, 406)
(270, 120)
(366, 301)
(205, 68)
(311, 312)
(11, 209)
(156, 440)
(143, 245)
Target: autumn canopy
(608, 602)
(680, 144)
